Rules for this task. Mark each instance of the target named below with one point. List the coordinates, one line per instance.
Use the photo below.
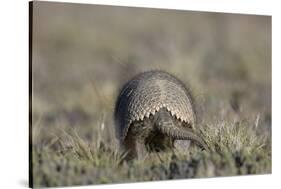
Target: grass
(236, 149)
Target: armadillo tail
(165, 125)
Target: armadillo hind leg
(141, 150)
(129, 147)
(164, 123)
(135, 148)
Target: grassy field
(81, 57)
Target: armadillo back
(146, 93)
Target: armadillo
(153, 110)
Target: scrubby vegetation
(83, 54)
(237, 149)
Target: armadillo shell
(146, 93)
